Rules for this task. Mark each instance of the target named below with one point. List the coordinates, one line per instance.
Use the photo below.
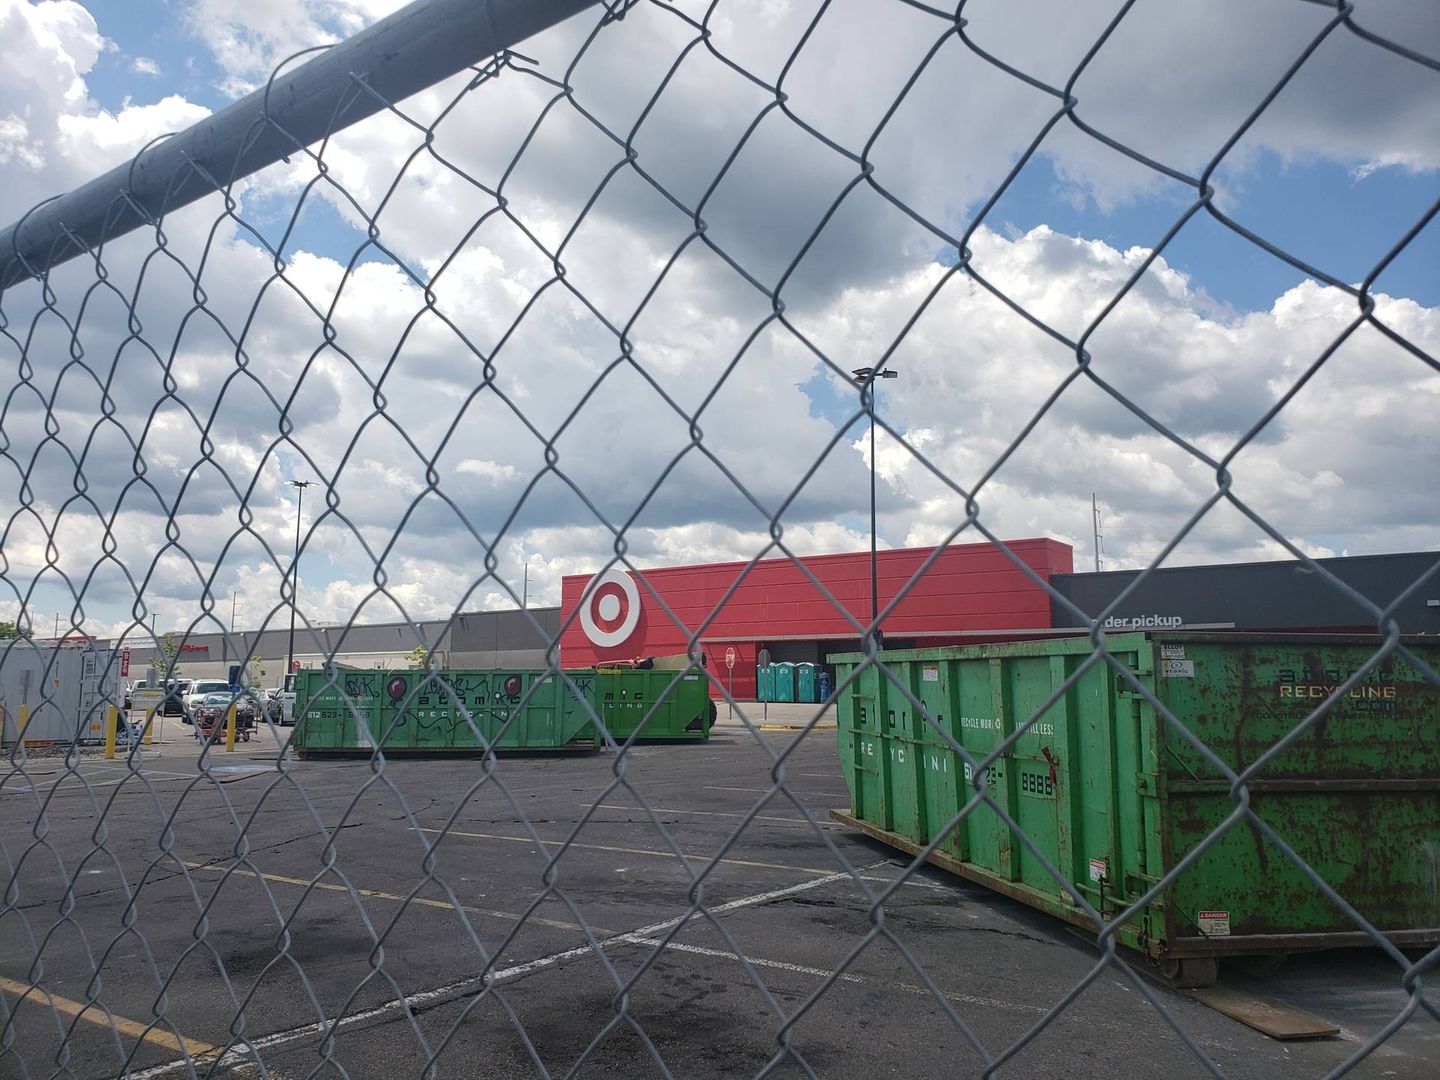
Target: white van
(286, 697)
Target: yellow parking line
(95, 1015)
(703, 860)
(377, 894)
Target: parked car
(202, 687)
(284, 696)
(173, 703)
(212, 709)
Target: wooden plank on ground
(1272, 1018)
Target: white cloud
(248, 38)
(16, 146)
(53, 135)
(513, 391)
(143, 65)
(973, 374)
(93, 142)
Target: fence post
(22, 723)
(112, 726)
(230, 729)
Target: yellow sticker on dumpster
(1214, 923)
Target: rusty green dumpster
(1115, 796)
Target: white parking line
(88, 775)
(850, 977)
(720, 813)
(766, 790)
(699, 861)
(429, 997)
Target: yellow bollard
(230, 729)
(150, 726)
(24, 723)
(112, 723)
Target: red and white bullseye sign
(730, 657)
(610, 608)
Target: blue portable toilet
(822, 684)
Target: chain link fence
(175, 351)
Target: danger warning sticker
(1214, 923)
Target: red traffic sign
(124, 662)
(730, 657)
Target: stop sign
(730, 657)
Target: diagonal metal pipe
(398, 56)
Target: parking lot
(266, 905)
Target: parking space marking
(850, 977)
(94, 1014)
(775, 790)
(703, 860)
(721, 813)
(89, 774)
(914, 883)
(476, 982)
(377, 894)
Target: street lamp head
(864, 375)
(300, 483)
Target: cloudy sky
(153, 419)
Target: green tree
(8, 630)
(170, 649)
(417, 656)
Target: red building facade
(970, 589)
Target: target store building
(969, 590)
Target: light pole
(300, 486)
(865, 379)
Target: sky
(518, 420)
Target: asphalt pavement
(586, 912)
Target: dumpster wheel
(1191, 973)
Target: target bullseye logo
(608, 597)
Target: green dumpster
(1114, 797)
(669, 706)
(351, 711)
(805, 689)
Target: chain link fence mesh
(115, 492)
